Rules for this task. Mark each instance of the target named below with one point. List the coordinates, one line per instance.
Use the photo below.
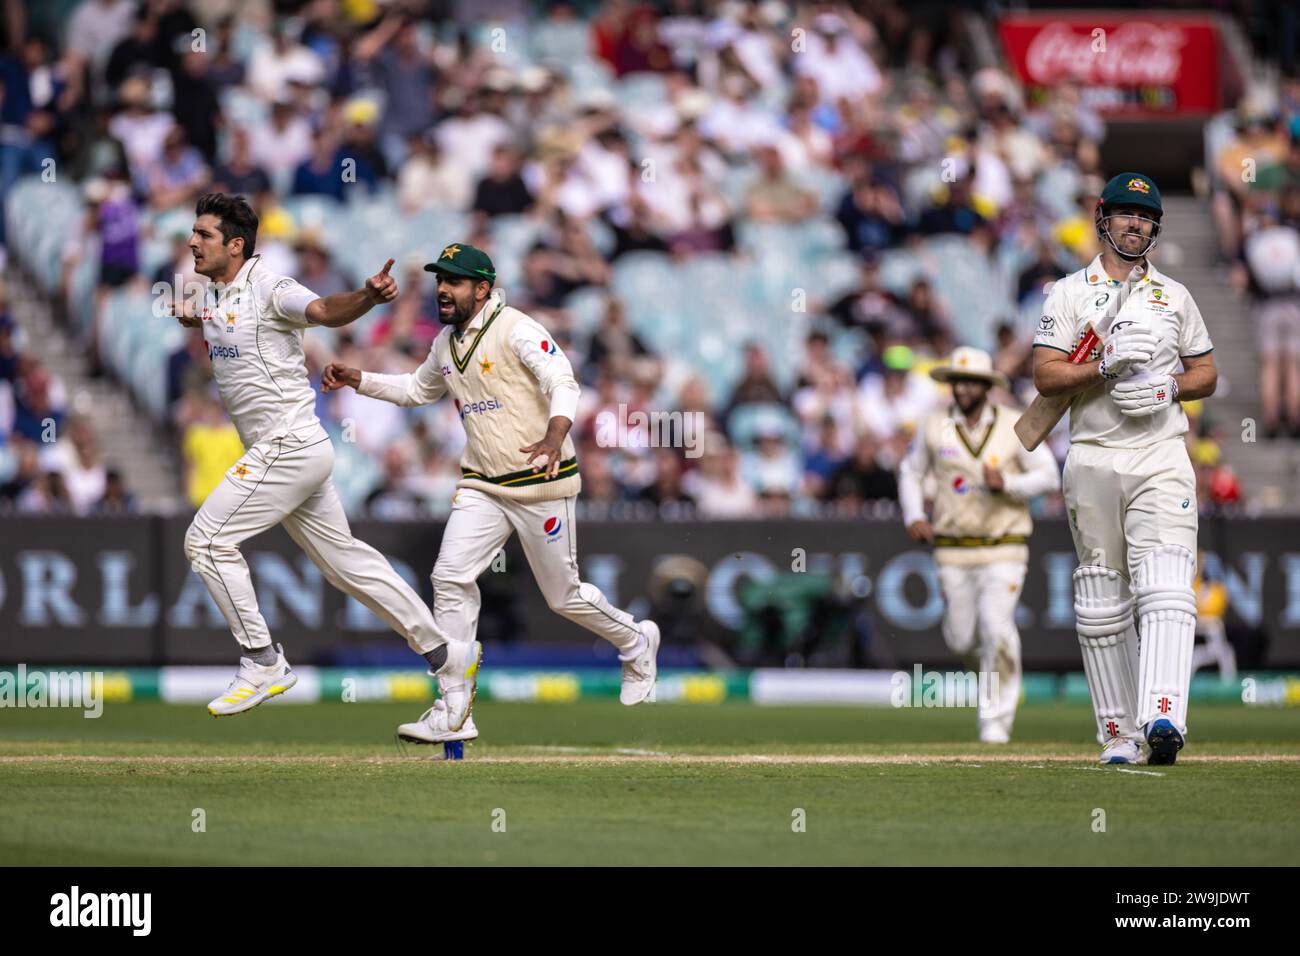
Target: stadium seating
(586, 308)
(747, 422)
(694, 311)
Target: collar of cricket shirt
(496, 301)
(987, 417)
(1097, 275)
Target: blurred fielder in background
(984, 479)
(1129, 483)
(510, 382)
(253, 322)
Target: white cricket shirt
(1157, 302)
(253, 328)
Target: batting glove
(1125, 350)
(1139, 398)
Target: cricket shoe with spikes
(458, 680)
(433, 727)
(1121, 750)
(642, 669)
(253, 684)
(1165, 741)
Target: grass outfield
(593, 782)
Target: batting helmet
(1133, 195)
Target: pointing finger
(387, 265)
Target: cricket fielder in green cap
(1128, 481)
(517, 398)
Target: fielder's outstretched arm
(422, 387)
(342, 308)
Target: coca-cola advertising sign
(1141, 65)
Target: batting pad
(1166, 606)
(1103, 614)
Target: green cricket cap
(1132, 189)
(462, 259)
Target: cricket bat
(1042, 414)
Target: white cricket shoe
(1121, 750)
(458, 680)
(990, 734)
(433, 728)
(253, 684)
(640, 672)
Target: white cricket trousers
(1133, 511)
(1125, 502)
(479, 524)
(981, 599)
(287, 481)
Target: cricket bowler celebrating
(1128, 481)
(253, 323)
(983, 480)
(510, 383)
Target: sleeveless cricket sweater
(973, 524)
(503, 409)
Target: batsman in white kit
(253, 324)
(510, 383)
(983, 480)
(1128, 482)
